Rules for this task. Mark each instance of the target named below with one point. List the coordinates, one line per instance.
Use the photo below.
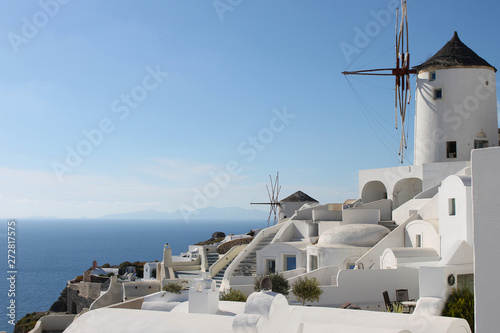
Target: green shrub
(280, 284)
(139, 268)
(460, 304)
(123, 267)
(306, 289)
(28, 322)
(233, 295)
(174, 288)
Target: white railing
(323, 275)
(292, 273)
(250, 247)
(113, 295)
(227, 257)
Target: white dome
(363, 235)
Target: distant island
(210, 213)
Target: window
(418, 241)
(478, 144)
(351, 265)
(466, 281)
(451, 149)
(432, 76)
(313, 263)
(290, 263)
(438, 93)
(451, 207)
(270, 266)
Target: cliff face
(78, 296)
(71, 301)
(61, 304)
(76, 302)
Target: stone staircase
(220, 275)
(391, 225)
(248, 266)
(211, 259)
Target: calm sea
(49, 253)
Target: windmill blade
(401, 72)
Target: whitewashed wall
(361, 216)
(277, 251)
(336, 256)
(467, 107)
(429, 235)
(458, 226)
(486, 212)
(374, 283)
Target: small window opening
(438, 93)
(418, 241)
(451, 149)
(478, 144)
(271, 266)
(451, 207)
(432, 76)
(313, 262)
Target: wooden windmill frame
(273, 203)
(401, 72)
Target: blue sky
(119, 106)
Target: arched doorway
(373, 191)
(405, 190)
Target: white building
(428, 205)
(294, 202)
(456, 105)
(415, 227)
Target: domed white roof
(363, 235)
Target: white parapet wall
(486, 213)
(318, 319)
(226, 258)
(361, 216)
(323, 275)
(371, 259)
(250, 247)
(140, 288)
(113, 295)
(53, 323)
(383, 205)
(374, 282)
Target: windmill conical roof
(454, 54)
(299, 196)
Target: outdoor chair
(345, 305)
(387, 301)
(402, 296)
(350, 306)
